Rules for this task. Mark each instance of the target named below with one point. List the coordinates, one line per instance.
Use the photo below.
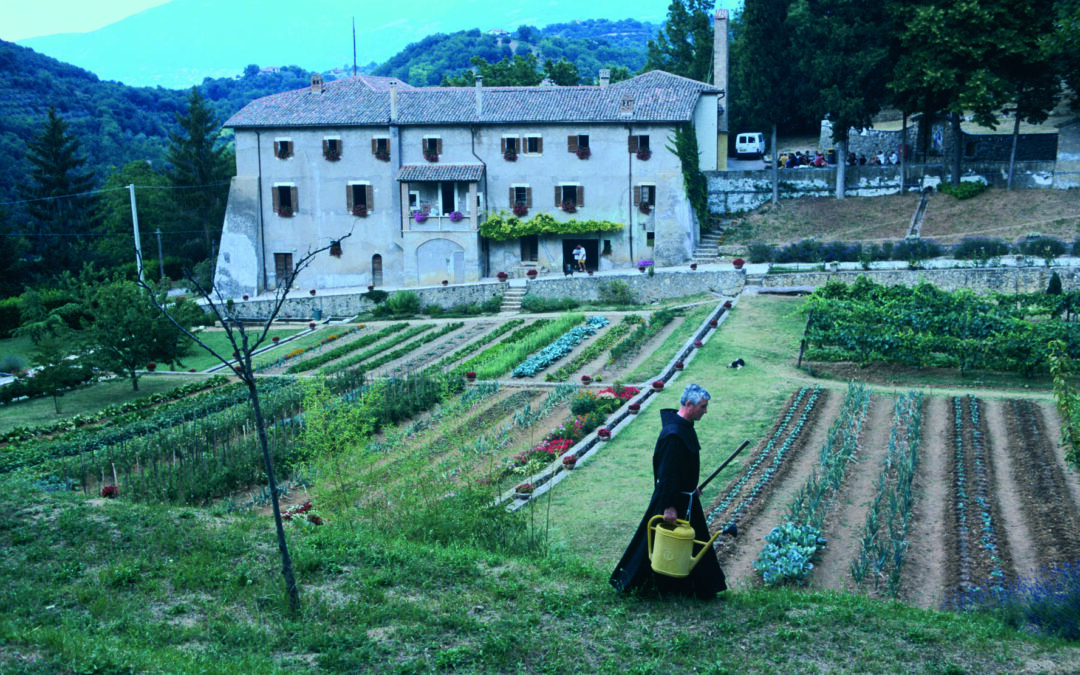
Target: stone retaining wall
(661, 285)
(981, 281)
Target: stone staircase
(707, 249)
(511, 299)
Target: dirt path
(844, 526)
(738, 556)
(1007, 488)
(923, 577)
(1053, 433)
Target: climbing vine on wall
(502, 226)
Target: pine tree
(199, 163)
(684, 46)
(62, 212)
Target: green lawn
(217, 340)
(16, 348)
(87, 399)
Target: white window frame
(515, 186)
(517, 142)
(436, 138)
(566, 184)
(365, 183)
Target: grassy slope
(94, 586)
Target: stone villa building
(366, 155)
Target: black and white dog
(736, 364)
(569, 272)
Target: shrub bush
(1042, 247)
(980, 248)
(10, 316)
(535, 303)
(916, 249)
(376, 296)
(760, 252)
(965, 190)
(402, 303)
(616, 293)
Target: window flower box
(456, 217)
(510, 156)
(569, 206)
(360, 210)
(285, 212)
(382, 155)
(420, 216)
(658, 385)
(520, 209)
(431, 156)
(335, 249)
(583, 152)
(738, 263)
(332, 155)
(604, 434)
(645, 208)
(644, 154)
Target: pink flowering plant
(303, 513)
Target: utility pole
(161, 258)
(135, 226)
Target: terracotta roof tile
(438, 172)
(658, 97)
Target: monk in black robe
(676, 465)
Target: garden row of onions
(790, 547)
(884, 543)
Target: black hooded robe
(676, 464)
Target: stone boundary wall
(1030, 147)
(675, 283)
(981, 281)
(739, 191)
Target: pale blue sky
(23, 19)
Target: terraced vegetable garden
(923, 499)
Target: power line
(102, 191)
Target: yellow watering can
(671, 549)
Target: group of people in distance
(798, 159)
(880, 159)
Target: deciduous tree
(684, 46)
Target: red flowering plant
(569, 206)
(359, 210)
(697, 343)
(620, 392)
(382, 155)
(524, 489)
(604, 433)
(110, 492)
(520, 209)
(643, 154)
(658, 384)
(577, 427)
(304, 513)
(583, 152)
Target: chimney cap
(317, 83)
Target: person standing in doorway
(579, 256)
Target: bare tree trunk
(1012, 155)
(958, 149)
(264, 443)
(903, 154)
(841, 168)
(775, 169)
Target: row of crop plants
(791, 547)
(304, 344)
(408, 348)
(884, 539)
(777, 449)
(486, 339)
(502, 357)
(593, 351)
(559, 347)
(980, 555)
(632, 344)
(341, 351)
(358, 359)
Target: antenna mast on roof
(354, 46)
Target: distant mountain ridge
(177, 44)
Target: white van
(750, 145)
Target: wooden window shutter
(294, 196)
(512, 202)
(325, 145)
(374, 145)
(438, 146)
(528, 197)
(632, 143)
(277, 201)
(349, 201)
(277, 148)
(637, 195)
(558, 196)
(571, 143)
(369, 197)
(540, 144)
(580, 195)
(502, 147)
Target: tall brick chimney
(479, 96)
(605, 77)
(393, 101)
(720, 64)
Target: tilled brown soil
(993, 499)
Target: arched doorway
(376, 269)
